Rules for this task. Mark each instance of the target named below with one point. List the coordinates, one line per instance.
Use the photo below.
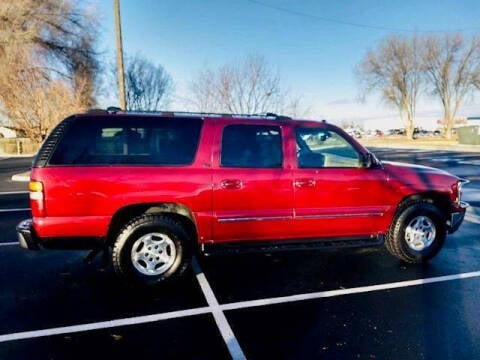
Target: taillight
(37, 198)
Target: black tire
(142, 226)
(396, 242)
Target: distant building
(7, 133)
(474, 120)
(460, 122)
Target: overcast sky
(315, 45)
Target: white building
(474, 120)
(7, 133)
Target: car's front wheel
(151, 249)
(417, 233)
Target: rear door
(252, 185)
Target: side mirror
(368, 160)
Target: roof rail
(268, 115)
(96, 111)
(109, 110)
(113, 109)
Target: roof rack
(109, 110)
(114, 110)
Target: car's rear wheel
(151, 249)
(417, 233)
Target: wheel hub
(153, 254)
(420, 233)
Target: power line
(347, 23)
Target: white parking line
(340, 292)
(471, 215)
(103, 324)
(230, 306)
(9, 243)
(225, 330)
(472, 218)
(14, 210)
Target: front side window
(129, 140)
(251, 146)
(322, 148)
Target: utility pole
(118, 34)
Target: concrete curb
(12, 156)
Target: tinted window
(251, 146)
(129, 140)
(317, 148)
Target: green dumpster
(469, 135)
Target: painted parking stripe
(472, 218)
(14, 210)
(9, 243)
(230, 306)
(340, 292)
(226, 331)
(104, 324)
(471, 215)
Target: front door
(335, 196)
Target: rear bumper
(26, 235)
(456, 217)
(28, 239)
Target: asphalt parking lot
(344, 304)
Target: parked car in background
(400, 132)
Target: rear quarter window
(129, 141)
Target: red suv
(154, 188)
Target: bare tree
(394, 71)
(47, 62)
(452, 68)
(83, 68)
(35, 103)
(252, 87)
(295, 107)
(148, 86)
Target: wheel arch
(410, 209)
(177, 211)
(439, 199)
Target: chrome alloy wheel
(420, 233)
(153, 254)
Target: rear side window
(129, 140)
(251, 146)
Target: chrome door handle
(303, 183)
(232, 184)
